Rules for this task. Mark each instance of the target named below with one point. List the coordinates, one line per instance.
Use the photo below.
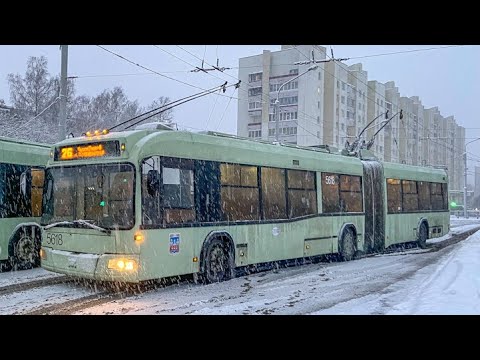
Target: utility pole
(465, 213)
(63, 94)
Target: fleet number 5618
(54, 239)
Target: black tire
(422, 236)
(347, 246)
(26, 250)
(218, 262)
(5, 266)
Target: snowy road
(412, 282)
(415, 282)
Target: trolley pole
(63, 94)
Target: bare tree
(164, 116)
(35, 91)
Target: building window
(343, 125)
(318, 119)
(343, 99)
(294, 72)
(343, 85)
(255, 91)
(254, 105)
(319, 76)
(318, 134)
(343, 113)
(338, 84)
(318, 104)
(291, 100)
(254, 77)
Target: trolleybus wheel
(26, 250)
(422, 236)
(347, 246)
(218, 265)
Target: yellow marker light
(97, 132)
(122, 264)
(122, 147)
(88, 133)
(43, 254)
(51, 153)
(195, 259)
(138, 237)
(105, 131)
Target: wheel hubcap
(25, 249)
(348, 246)
(217, 263)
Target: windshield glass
(102, 194)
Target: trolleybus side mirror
(153, 182)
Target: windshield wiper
(58, 224)
(92, 226)
(78, 222)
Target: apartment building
(333, 103)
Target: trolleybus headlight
(43, 254)
(122, 264)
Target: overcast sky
(448, 78)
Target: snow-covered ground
(24, 276)
(412, 282)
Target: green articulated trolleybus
(152, 203)
(22, 166)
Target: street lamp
(465, 175)
(277, 102)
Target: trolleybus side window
(394, 196)
(207, 191)
(424, 202)
(38, 176)
(274, 202)
(302, 193)
(151, 214)
(351, 199)
(330, 193)
(437, 196)
(341, 193)
(11, 204)
(445, 196)
(239, 192)
(410, 195)
(178, 190)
